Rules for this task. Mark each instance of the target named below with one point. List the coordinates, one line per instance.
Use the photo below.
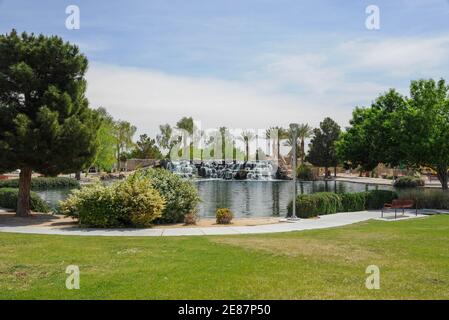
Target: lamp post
(294, 131)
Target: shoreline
(38, 220)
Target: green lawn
(413, 257)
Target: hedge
(427, 198)
(353, 201)
(321, 203)
(375, 199)
(408, 182)
(305, 173)
(40, 183)
(8, 200)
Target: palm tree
(281, 134)
(123, 135)
(186, 123)
(223, 133)
(304, 131)
(289, 143)
(246, 137)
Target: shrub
(131, 203)
(191, 218)
(43, 183)
(375, 199)
(8, 200)
(320, 203)
(224, 216)
(353, 201)
(305, 206)
(139, 202)
(311, 205)
(181, 196)
(305, 173)
(408, 182)
(428, 198)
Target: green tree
(424, 127)
(354, 146)
(45, 121)
(246, 136)
(165, 138)
(146, 148)
(374, 134)
(281, 134)
(105, 157)
(304, 132)
(123, 134)
(186, 123)
(223, 133)
(322, 146)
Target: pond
(246, 198)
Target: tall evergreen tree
(45, 121)
(322, 146)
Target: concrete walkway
(327, 221)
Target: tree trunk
(443, 177)
(326, 172)
(302, 151)
(118, 160)
(335, 172)
(279, 151)
(247, 151)
(78, 175)
(23, 200)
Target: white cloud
(149, 98)
(398, 56)
(308, 72)
(282, 88)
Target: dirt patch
(9, 219)
(211, 222)
(308, 248)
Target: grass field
(413, 257)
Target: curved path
(327, 221)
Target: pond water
(246, 198)
(264, 198)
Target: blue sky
(244, 63)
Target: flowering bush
(181, 196)
(129, 203)
(224, 216)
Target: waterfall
(250, 170)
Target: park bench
(399, 204)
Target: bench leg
(382, 213)
(395, 213)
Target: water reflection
(267, 198)
(246, 198)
